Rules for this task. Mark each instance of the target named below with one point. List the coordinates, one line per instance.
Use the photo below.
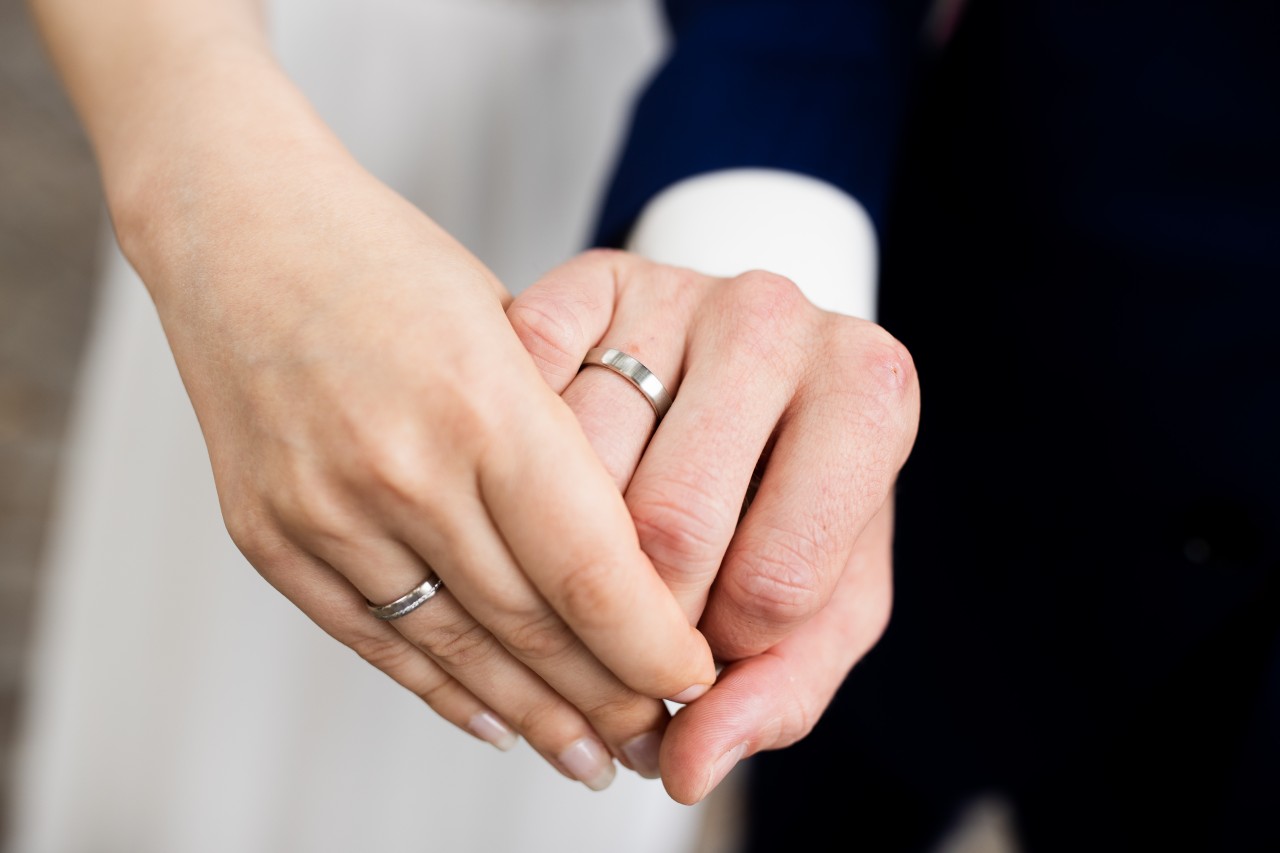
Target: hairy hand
(811, 411)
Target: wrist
(211, 139)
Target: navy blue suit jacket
(1079, 212)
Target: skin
(796, 592)
(369, 393)
(365, 402)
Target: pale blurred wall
(50, 217)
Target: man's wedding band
(410, 601)
(630, 368)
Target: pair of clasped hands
(376, 406)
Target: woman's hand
(820, 407)
(370, 415)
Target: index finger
(568, 527)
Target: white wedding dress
(178, 704)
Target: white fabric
(177, 704)
(728, 222)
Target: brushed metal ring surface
(410, 601)
(630, 368)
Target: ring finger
(490, 629)
(643, 331)
(330, 601)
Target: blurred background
(51, 227)
(50, 218)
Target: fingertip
(694, 688)
(489, 727)
(692, 782)
(590, 763)
(684, 697)
(642, 754)
(720, 769)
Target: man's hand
(821, 406)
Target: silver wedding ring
(630, 369)
(410, 601)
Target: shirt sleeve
(730, 221)
(812, 87)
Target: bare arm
(369, 412)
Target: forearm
(181, 100)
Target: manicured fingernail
(590, 763)
(642, 752)
(684, 697)
(721, 768)
(487, 726)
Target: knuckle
(680, 525)
(778, 579)
(539, 638)
(776, 293)
(249, 531)
(390, 654)
(874, 386)
(540, 719)
(317, 514)
(255, 535)
(621, 705)
(402, 463)
(769, 319)
(547, 328)
(436, 692)
(883, 362)
(673, 529)
(457, 647)
(592, 592)
(771, 300)
(397, 472)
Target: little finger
(427, 613)
(338, 609)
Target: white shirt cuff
(728, 222)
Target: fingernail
(590, 763)
(487, 726)
(721, 768)
(684, 697)
(642, 752)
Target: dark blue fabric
(1079, 204)
(813, 86)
